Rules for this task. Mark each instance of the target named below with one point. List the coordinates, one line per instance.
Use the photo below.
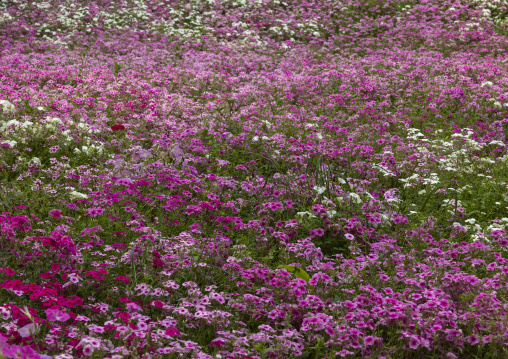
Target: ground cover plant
(242, 179)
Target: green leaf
(299, 273)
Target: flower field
(240, 179)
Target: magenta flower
(172, 331)
(55, 213)
(94, 212)
(368, 340)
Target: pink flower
(219, 342)
(94, 212)
(9, 271)
(414, 343)
(350, 304)
(88, 350)
(56, 315)
(172, 331)
(55, 213)
(157, 304)
(368, 340)
(473, 339)
(55, 267)
(443, 303)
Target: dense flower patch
(253, 179)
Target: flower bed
(238, 179)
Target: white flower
(40, 108)
(7, 106)
(356, 197)
(11, 144)
(318, 189)
(488, 83)
(28, 330)
(77, 195)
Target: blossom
(56, 315)
(94, 212)
(117, 127)
(172, 331)
(368, 340)
(88, 350)
(28, 330)
(55, 213)
(414, 343)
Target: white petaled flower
(11, 143)
(318, 189)
(356, 198)
(78, 195)
(7, 106)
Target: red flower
(117, 127)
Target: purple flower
(177, 153)
(56, 315)
(28, 330)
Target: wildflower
(172, 331)
(94, 212)
(9, 271)
(56, 315)
(77, 195)
(117, 127)
(55, 213)
(88, 350)
(28, 330)
(473, 339)
(368, 340)
(7, 107)
(414, 343)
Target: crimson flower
(117, 127)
